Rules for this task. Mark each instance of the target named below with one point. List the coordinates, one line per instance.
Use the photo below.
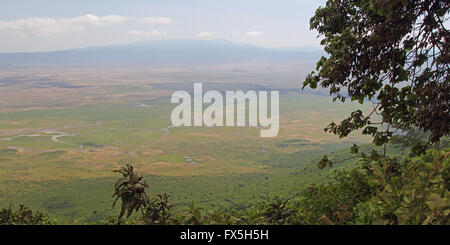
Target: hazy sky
(32, 25)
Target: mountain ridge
(165, 52)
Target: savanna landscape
(60, 158)
(363, 137)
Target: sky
(45, 25)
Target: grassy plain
(60, 139)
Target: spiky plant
(131, 190)
(159, 211)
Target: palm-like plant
(159, 211)
(131, 190)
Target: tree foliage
(392, 52)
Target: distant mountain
(166, 52)
(301, 49)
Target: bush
(417, 194)
(24, 216)
(327, 203)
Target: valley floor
(60, 160)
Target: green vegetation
(390, 56)
(217, 168)
(378, 191)
(394, 52)
(24, 216)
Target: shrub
(24, 216)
